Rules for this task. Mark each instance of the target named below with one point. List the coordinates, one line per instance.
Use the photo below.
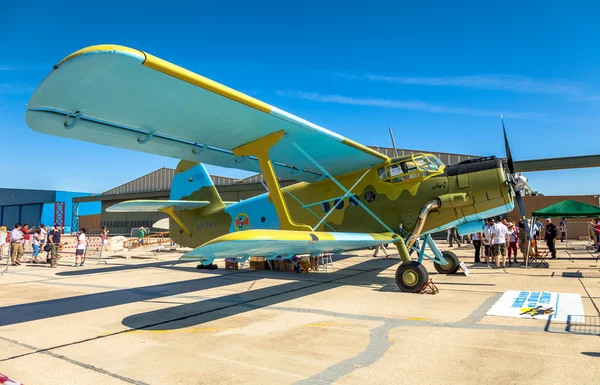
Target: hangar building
(42, 206)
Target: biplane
(348, 196)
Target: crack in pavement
(75, 362)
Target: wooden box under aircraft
(257, 263)
(231, 264)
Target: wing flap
(129, 99)
(285, 242)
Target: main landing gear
(411, 275)
(452, 263)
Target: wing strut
(171, 211)
(346, 191)
(260, 148)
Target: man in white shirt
(16, 245)
(499, 241)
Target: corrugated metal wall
(31, 214)
(91, 223)
(10, 216)
(159, 180)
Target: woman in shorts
(80, 250)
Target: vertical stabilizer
(192, 182)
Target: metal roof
(159, 180)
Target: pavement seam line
(589, 296)
(75, 362)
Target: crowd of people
(42, 238)
(501, 239)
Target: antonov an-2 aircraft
(348, 197)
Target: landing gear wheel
(452, 263)
(212, 266)
(410, 277)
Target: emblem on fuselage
(242, 222)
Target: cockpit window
(416, 166)
(436, 161)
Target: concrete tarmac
(153, 320)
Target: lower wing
(273, 243)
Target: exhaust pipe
(431, 205)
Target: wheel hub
(410, 277)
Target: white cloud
(513, 83)
(10, 67)
(15, 89)
(411, 105)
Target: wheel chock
(429, 288)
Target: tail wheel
(452, 263)
(411, 277)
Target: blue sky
(438, 73)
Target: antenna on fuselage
(393, 141)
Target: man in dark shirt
(550, 236)
(54, 240)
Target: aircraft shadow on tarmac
(191, 314)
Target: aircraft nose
(484, 182)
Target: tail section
(192, 183)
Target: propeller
(516, 180)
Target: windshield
(416, 166)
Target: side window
(409, 166)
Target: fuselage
(394, 192)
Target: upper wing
(265, 243)
(126, 98)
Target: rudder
(192, 182)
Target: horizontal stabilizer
(137, 206)
(270, 243)
(162, 224)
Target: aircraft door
(463, 177)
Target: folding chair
(537, 257)
(326, 260)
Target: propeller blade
(509, 160)
(521, 205)
(557, 163)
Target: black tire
(452, 263)
(411, 277)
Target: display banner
(539, 305)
